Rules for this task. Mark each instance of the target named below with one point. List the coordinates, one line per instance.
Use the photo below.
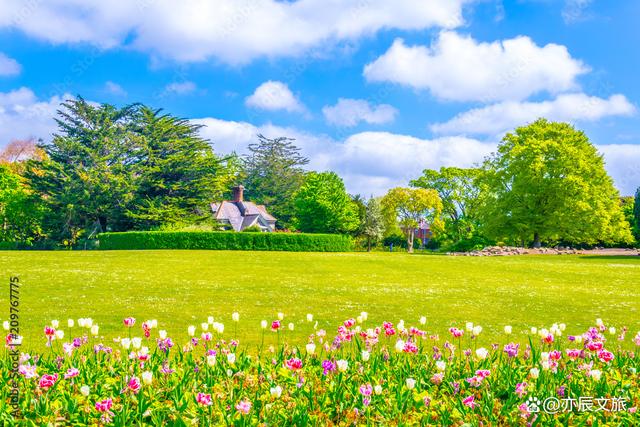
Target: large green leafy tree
(548, 183)
(322, 205)
(273, 173)
(114, 169)
(460, 192)
(410, 206)
(20, 215)
(176, 172)
(373, 223)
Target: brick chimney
(238, 193)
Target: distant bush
(252, 229)
(294, 242)
(475, 243)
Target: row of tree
(136, 168)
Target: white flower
(508, 330)
(377, 389)
(191, 330)
(411, 383)
(612, 330)
(209, 320)
(534, 372)
(544, 355)
(578, 339)
(229, 373)
(543, 332)
(599, 322)
(70, 323)
(311, 348)
(276, 391)
(59, 334)
(85, 390)
(162, 334)
(359, 319)
(423, 320)
(280, 316)
(534, 330)
(562, 327)
(309, 317)
(364, 315)
(263, 324)
(143, 351)
(125, 343)
(545, 365)
(399, 346)
(231, 358)
(136, 343)
(82, 322)
(205, 326)
(88, 323)
(153, 323)
(342, 365)
(365, 355)
(469, 326)
(55, 324)
(147, 377)
(482, 353)
(95, 329)
(401, 327)
(291, 326)
(476, 330)
(6, 325)
(235, 316)
(211, 360)
(596, 374)
(441, 365)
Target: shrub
(252, 229)
(220, 240)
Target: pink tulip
(244, 406)
(293, 364)
(104, 405)
(470, 401)
(275, 325)
(47, 381)
(129, 322)
(71, 373)
(204, 399)
(134, 385)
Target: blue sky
(375, 89)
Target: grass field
(180, 288)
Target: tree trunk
(368, 244)
(536, 240)
(410, 235)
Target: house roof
(241, 214)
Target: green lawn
(184, 287)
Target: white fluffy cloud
(9, 66)
(180, 88)
(114, 89)
(233, 31)
(274, 96)
(350, 112)
(24, 116)
(459, 68)
(497, 118)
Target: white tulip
(411, 383)
(231, 358)
(147, 377)
(534, 372)
(578, 339)
(482, 353)
(401, 327)
(508, 330)
(280, 316)
(469, 326)
(235, 317)
(125, 343)
(6, 325)
(476, 330)
(55, 324)
(94, 330)
(82, 322)
(162, 334)
(596, 374)
(85, 390)
(59, 334)
(153, 323)
(88, 323)
(211, 360)
(359, 319)
(342, 365)
(70, 323)
(309, 317)
(599, 322)
(612, 330)
(291, 326)
(276, 391)
(263, 324)
(204, 326)
(423, 320)
(399, 346)
(209, 320)
(534, 330)
(377, 389)
(544, 355)
(441, 365)
(364, 315)
(365, 355)
(311, 348)
(191, 330)
(136, 343)
(562, 327)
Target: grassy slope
(183, 287)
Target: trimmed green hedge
(223, 240)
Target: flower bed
(360, 373)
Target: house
(240, 214)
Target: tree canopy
(411, 206)
(322, 205)
(273, 173)
(547, 182)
